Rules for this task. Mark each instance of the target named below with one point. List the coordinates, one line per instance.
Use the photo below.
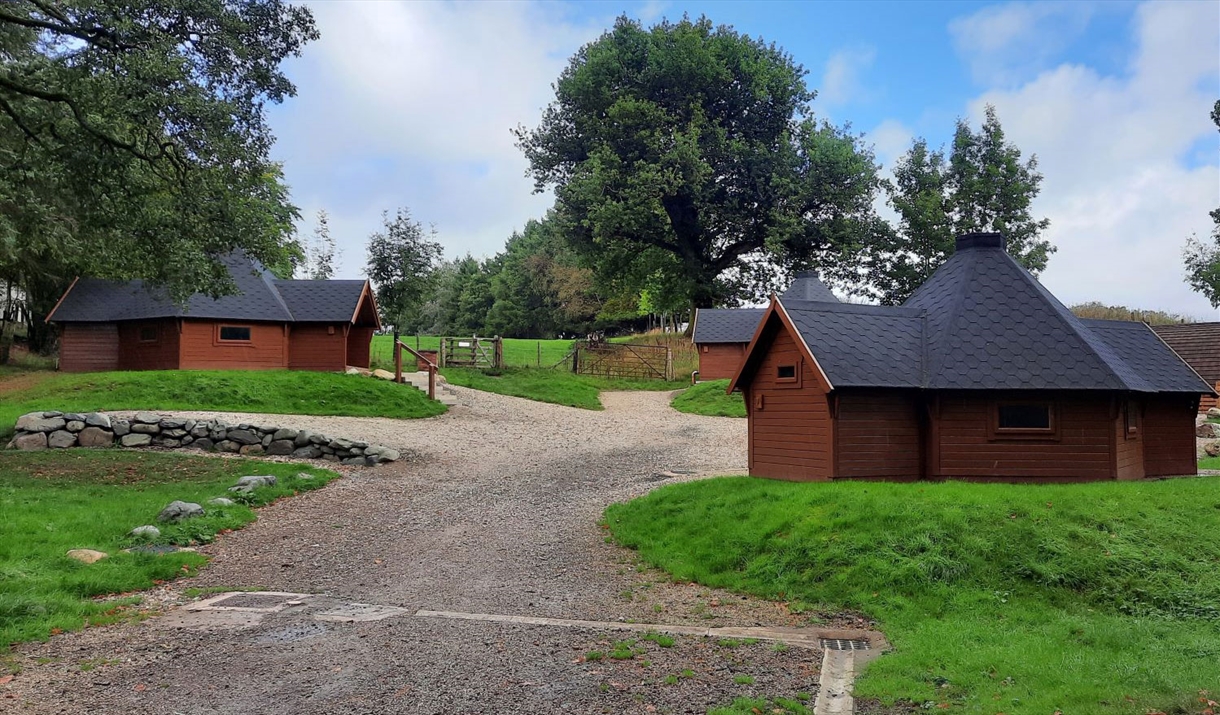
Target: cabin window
(234, 333)
(148, 333)
(786, 372)
(1024, 420)
(1131, 419)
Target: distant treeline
(1096, 310)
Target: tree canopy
(402, 261)
(1203, 259)
(689, 152)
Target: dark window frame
(221, 340)
(1131, 419)
(997, 433)
(156, 334)
(789, 382)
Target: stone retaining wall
(58, 430)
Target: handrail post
(397, 360)
(431, 382)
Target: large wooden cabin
(982, 374)
(267, 324)
(1199, 345)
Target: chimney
(980, 240)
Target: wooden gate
(606, 359)
(476, 352)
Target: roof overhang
(366, 294)
(51, 315)
(754, 354)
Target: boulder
(73, 417)
(244, 436)
(355, 462)
(1213, 412)
(148, 531)
(1212, 449)
(94, 437)
(136, 440)
(221, 501)
(1207, 430)
(173, 432)
(305, 476)
(254, 481)
(383, 374)
(96, 419)
(75, 426)
(147, 418)
(266, 440)
(310, 452)
(87, 556)
(179, 510)
(199, 431)
(280, 447)
(204, 443)
(340, 444)
(30, 441)
(171, 423)
(330, 457)
(319, 439)
(61, 439)
(252, 450)
(36, 422)
(167, 442)
(52, 413)
(121, 427)
(303, 438)
(227, 446)
(145, 428)
(289, 434)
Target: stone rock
(145, 428)
(280, 447)
(227, 446)
(94, 437)
(351, 371)
(173, 432)
(357, 451)
(36, 422)
(87, 556)
(95, 419)
(243, 436)
(219, 434)
(1213, 412)
(310, 452)
(167, 443)
(52, 413)
(1207, 430)
(330, 458)
(199, 431)
(204, 443)
(383, 374)
(121, 427)
(189, 425)
(284, 433)
(30, 441)
(266, 440)
(340, 444)
(76, 425)
(61, 439)
(221, 501)
(187, 440)
(147, 418)
(148, 531)
(179, 510)
(303, 438)
(1212, 449)
(254, 481)
(355, 462)
(305, 476)
(388, 455)
(136, 440)
(361, 445)
(170, 423)
(319, 439)
(73, 417)
(252, 450)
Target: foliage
(558, 386)
(401, 262)
(1203, 259)
(1097, 598)
(280, 392)
(1093, 309)
(686, 154)
(133, 141)
(982, 186)
(60, 500)
(709, 398)
(321, 252)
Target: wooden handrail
(398, 348)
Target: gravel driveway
(496, 512)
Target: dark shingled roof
(727, 325)
(807, 286)
(1198, 344)
(982, 322)
(259, 297)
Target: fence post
(397, 361)
(540, 353)
(576, 359)
(669, 363)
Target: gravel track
(495, 511)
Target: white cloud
(411, 104)
(841, 79)
(1007, 42)
(1120, 198)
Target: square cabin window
(786, 373)
(234, 334)
(1025, 417)
(148, 334)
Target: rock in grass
(221, 501)
(136, 440)
(309, 452)
(179, 510)
(255, 481)
(95, 419)
(36, 422)
(305, 476)
(61, 439)
(31, 441)
(148, 531)
(252, 450)
(87, 556)
(94, 437)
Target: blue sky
(410, 104)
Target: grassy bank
(90, 499)
(517, 352)
(1096, 598)
(709, 398)
(560, 387)
(268, 391)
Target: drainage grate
(844, 644)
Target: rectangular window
(1131, 419)
(234, 334)
(786, 372)
(148, 334)
(1024, 417)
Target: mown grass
(560, 387)
(265, 391)
(1209, 463)
(1094, 598)
(709, 398)
(517, 352)
(90, 499)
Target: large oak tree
(690, 151)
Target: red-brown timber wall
(962, 447)
(317, 347)
(159, 354)
(718, 361)
(790, 429)
(877, 435)
(88, 347)
(1206, 402)
(358, 341)
(203, 350)
(1169, 436)
(1129, 445)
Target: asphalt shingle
(862, 345)
(726, 325)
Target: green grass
(517, 352)
(560, 387)
(267, 391)
(752, 706)
(1094, 598)
(1209, 463)
(709, 398)
(60, 500)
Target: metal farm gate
(606, 359)
(476, 352)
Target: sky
(410, 104)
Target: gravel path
(496, 512)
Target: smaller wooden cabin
(267, 324)
(981, 375)
(1199, 345)
(722, 335)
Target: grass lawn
(1093, 598)
(68, 499)
(560, 387)
(709, 398)
(287, 392)
(517, 352)
(1209, 463)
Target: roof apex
(991, 240)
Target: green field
(267, 391)
(517, 353)
(71, 499)
(1093, 598)
(560, 387)
(709, 398)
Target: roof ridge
(954, 310)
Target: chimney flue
(980, 240)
